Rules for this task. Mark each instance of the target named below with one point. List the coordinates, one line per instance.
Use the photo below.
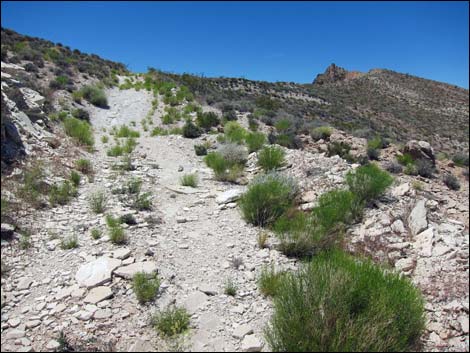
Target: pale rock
(228, 196)
(14, 322)
(440, 250)
(417, 220)
(405, 264)
(141, 346)
(102, 314)
(97, 272)
(121, 254)
(194, 301)
(251, 343)
(209, 321)
(463, 321)
(24, 283)
(424, 242)
(401, 190)
(208, 289)
(52, 345)
(98, 294)
(242, 330)
(398, 227)
(129, 271)
(32, 323)
(13, 334)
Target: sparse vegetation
(84, 166)
(70, 242)
(75, 178)
(171, 321)
(190, 130)
(262, 238)
(189, 180)
(270, 280)
(368, 182)
(200, 150)
(425, 168)
(143, 202)
(451, 181)
(95, 233)
(337, 303)
(230, 288)
(461, 159)
(321, 133)
(145, 286)
(271, 158)
(61, 194)
(255, 141)
(95, 96)
(117, 235)
(125, 131)
(79, 130)
(97, 202)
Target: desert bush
(95, 233)
(61, 194)
(133, 186)
(104, 139)
(393, 167)
(128, 219)
(117, 235)
(97, 202)
(81, 114)
(112, 222)
(254, 141)
(223, 170)
(70, 242)
(115, 151)
(231, 115)
(75, 178)
(405, 159)
(373, 154)
(234, 132)
(337, 303)
(451, 181)
(267, 198)
(230, 288)
(33, 185)
(200, 150)
(270, 280)
(145, 286)
(461, 159)
(171, 321)
(143, 202)
(271, 158)
(95, 96)
(425, 168)
(341, 149)
(368, 182)
(321, 133)
(410, 169)
(79, 130)
(190, 130)
(189, 180)
(207, 120)
(125, 131)
(233, 153)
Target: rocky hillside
(107, 181)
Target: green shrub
(81, 114)
(95, 233)
(231, 115)
(84, 166)
(200, 150)
(233, 154)
(341, 149)
(368, 182)
(373, 154)
(97, 202)
(267, 198)
(70, 242)
(95, 96)
(134, 186)
(158, 131)
(321, 133)
(112, 222)
(62, 194)
(129, 145)
(230, 288)
(117, 235)
(115, 151)
(337, 303)
(234, 132)
(25, 241)
(75, 178)
(128, 219)
(451, 181)
(410, 169)
(189, 180)
(79, 130)
(393, 167)
(283, 125)
(145, 286)
(254, 141)
(125, 131)
(171, 322)
(143, 202)
(270, 280)
(33, 185)
(271, 158)
(461, 159)
(207, 120)
(405, 159)
(104, 139)
(190, 130)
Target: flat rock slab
(141, 346)
(242, 330)
(129, 271)
(186, 190)
(98, 294)
(121, 254)
(97, 272)
(24, 283)
(194, 301)
(417, 220)
(251, 343)
(228, 196)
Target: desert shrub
(75, 178)
(79, 130)
(61, 194)
(271, 158)
(253, 124)
(70, 242)
(373, 154)
(81, 114)
(376, 143)
(25, 241)
(29, 67)
(230, 115)
(104, 139)
(368, 182)
(112, 222)
(230, 288)
(117, 235)
(95, 233)
(133, 186)
(143, 202)
(270, 280)
(189, 180)
(254, 141)
(461, 159)
(425, 168)
(158, 131)
(145, 286)
(125, 131)
(97, 202)
(233, 153)
(60, 82)
(200, 150)
(261, 240)
(267, 198)
(451, 181)
(337, 303)
(171, 321)
(95, 96)
(341, 149)
(410, 169)
(223, 170)
(190, 130)
(321, 133)
(234, 132)
(129, 145)
(33, 185)
(128, 219)
(393, 167)
(405, 159)
(207, 120)
(288, 140)
(115, 151)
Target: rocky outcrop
(334, 74)
(420, 150)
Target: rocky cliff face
(332, 74)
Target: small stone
(24, 283)
(404, 265)
(129, 271)
(251, 343)
(242, 330)
(228, 196)
(417, 220)
(52, 345)
(101, 314)
(141, 346)
(32, 323)
(98, 294)
(121, 254)
(13, 334)
(463, 321)
(208, 289)
(14, 322)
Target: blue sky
(273, 41)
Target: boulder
(417, 220)
(420, 150)
(97, 272)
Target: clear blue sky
(273, 41)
